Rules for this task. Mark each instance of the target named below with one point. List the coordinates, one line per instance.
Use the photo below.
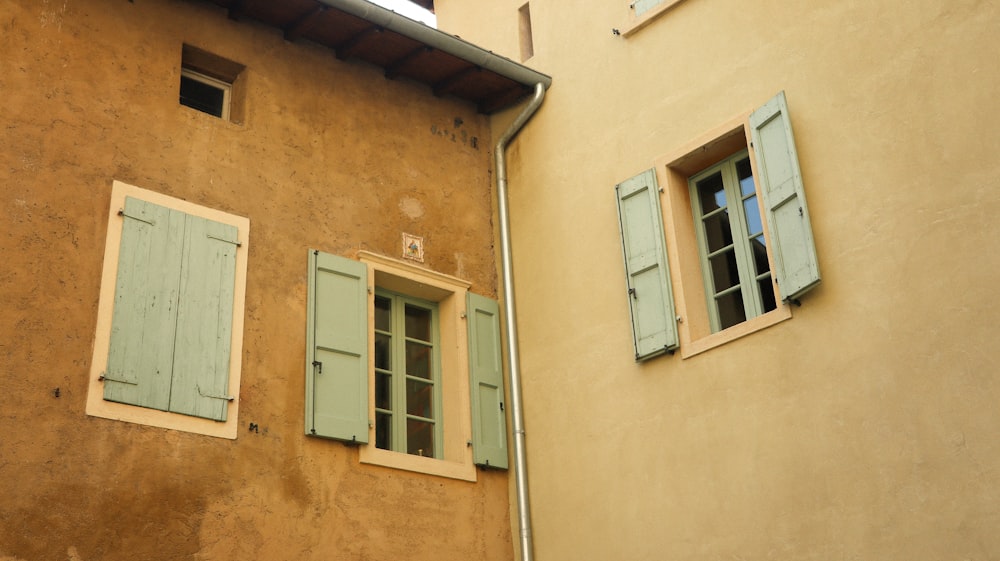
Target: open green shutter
(205, 320)
(795, 263)
(651, 301)
(337, 348)
(489, 421)
(141, 353)
(643, 6)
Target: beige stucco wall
(331, 156)
(866, 427)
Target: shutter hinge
(211, 396)
(121, 212)
(236, 243)
(632, 293)
(319, 364)
(103, 378)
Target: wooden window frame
(750, 295)
(449, 293)
(218, 72)
(96, 405)
(225, 87)
(674, 170)
(399, 410)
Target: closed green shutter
(795, 262)
(205, 320)
(650, 296)
(147, 289)
(337, 348)
(171, 328)
(489, 421)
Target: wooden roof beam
(444, 86)
(392, 69)
(348, 47)
(294, 30)
(236, 9)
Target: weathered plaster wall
(867, 426)
(332, 156)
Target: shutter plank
(204, 320)
(140, 356)
(650, 296)
(794, 250)
(489, 420)
(337, 340)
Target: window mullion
(741, 244)
(398, 374)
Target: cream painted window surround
(97, 405)
(450, 294)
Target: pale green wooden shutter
(143, 323)
(643, 6)
(795, 262)
(650, 296)
(337, 348)
(171, 328)
(205, 320)
(489, 421)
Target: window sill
(645, 19)
(691, 348)
(465, 471)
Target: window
(206, 94)
(524, 32)
(407, 374)
(405, 363)
(211, 84)
(734, 271)
(170, 315)
(731, 242)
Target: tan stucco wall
(866, 427)
(331, 156)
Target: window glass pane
(745, 175)
(419, 438)
(419, 399)
(731, 309)
(383, 352)
(383, 430)
(383, 390)
(201, 96)
(383, 313)
(418, 360)
(418, 323)
(718, 233)
(754, 225)
(767, 294)
(760, 255)
(725, 272)
(711, 193)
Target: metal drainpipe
(520, 461)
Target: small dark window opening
(199, 93)
(212, 84)
(524, 32)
